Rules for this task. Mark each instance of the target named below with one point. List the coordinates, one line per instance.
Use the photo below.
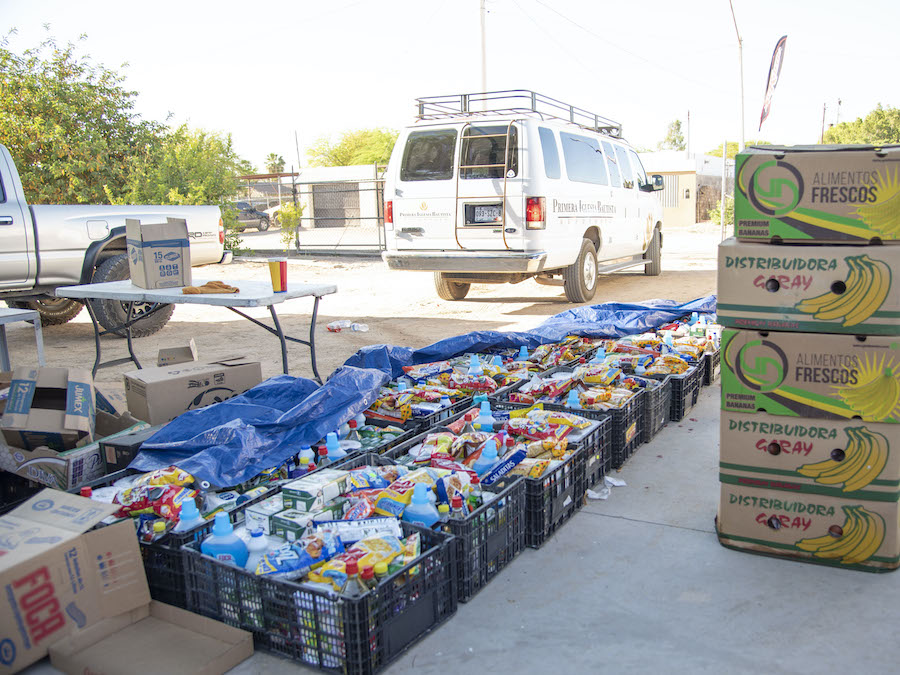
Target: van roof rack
(513, 102)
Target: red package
(164, 501)
(469, 416)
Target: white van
(500, 187)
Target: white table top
(10, 315)
(252, 293)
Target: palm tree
(274, 163)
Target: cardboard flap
(232, 361)
(62, 511)
(120, 568)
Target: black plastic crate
(685, 391)
(323, 629)
(657, 403)
(711, 374)
(16, 490)
(489, 538)
(627, 429)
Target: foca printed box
(159, 254)
(818, 194)
(812, 375)
(819, 289)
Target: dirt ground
(400, 308)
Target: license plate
(487, 214)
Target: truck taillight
(389, 215)
(534, 213)
(221, 231)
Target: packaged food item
(412, 549)
(163, 501)
(352, 531)
(292, 561)
(370, 551)
(292, 524)
(531, 468)
(312, 492)
(472, 383)
(259, 516)
(505, 465)
(169, 476)
(424, 371)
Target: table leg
(39, 341)
(4, 350)
(312, 339)
(97, 348)
(280, 334)
(128, 334)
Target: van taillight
(534, 213)
(389, 214)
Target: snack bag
(412, 549)
(366, 552)
(163, 501)
(311, 551)
(168, 476)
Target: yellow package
(531, 467)
(369, 551)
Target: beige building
(693, 184)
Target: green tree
(274, 163)
(880, 126)
(69, 124)
(732, 148)
(363, 146)
(674, 139)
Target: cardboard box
(159, 254)
(170, 356)
(847, 459)
(154, 638)
(259, 516)
(811, 375)
(49, 407)
(110, 400)
(820, 289)
(118, 450)
(5, 381)
(852, 534)
(158, 395)
(819, 193)
(311, 493)
(70, 468)
(58, 575)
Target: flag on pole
(774, 74)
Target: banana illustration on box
(884, 215)
(863, 460)
(876, 395)
(860, 537)
(867, 286)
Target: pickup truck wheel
(450, 290)
(263, 225)
(53, 311)
(112, 313)
(654, 255)
(580, 279)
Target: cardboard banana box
(821, 289)
(846, 459)
(846, 533)
(818, 194)
(811, 375)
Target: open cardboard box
(153, 638)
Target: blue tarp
(610, 319)
(233, 441)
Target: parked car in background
(250, 216)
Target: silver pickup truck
(44, 247)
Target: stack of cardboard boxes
(810, 427)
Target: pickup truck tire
(112, 313)
(654, 255)
(450, 290)
(263, 225)
(580, 279)
(53, 311)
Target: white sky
(264, 70)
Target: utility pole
(483, 56)
(687, 145)
(822, 133)
(724, 173)
(741, 66)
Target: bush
(290, 216)
(715, 212)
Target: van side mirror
(657, 182)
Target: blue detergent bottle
(485, 420)
(523, 354)
(599, 355)
(333, 445)
(573, 401)
(497, 362)
(420, 510)
(223, 544)
(475, 369)
(487, 459)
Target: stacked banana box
(808, 293)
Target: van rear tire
(580, 279)
(654, 255)
(450, 290)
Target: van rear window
(615, 178)
(551, 154)
(482, 152)
(428, 155)
(584, 161)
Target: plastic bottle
(256, 549)
(401, 385)
(343, 430)
(457, 512)
(498, 361)
(475, 498)
(487, 459)
(86, 492)
(306, 456)
(639, 369)
(323, 457)
(599, 355)
(446, 404)
(381, 571)
(333, 447)
(367, 577)
(573, 401)
(353, 587)
(223, 544)
(694, 318)
(523, 354)
(479, 398)
(475, 369)
(485, 420)
(359, 328)
(338, 326)
(353, 434)
(360, 420)
(420, 510)
(189, 517)
(443, 512)
(311, 467)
